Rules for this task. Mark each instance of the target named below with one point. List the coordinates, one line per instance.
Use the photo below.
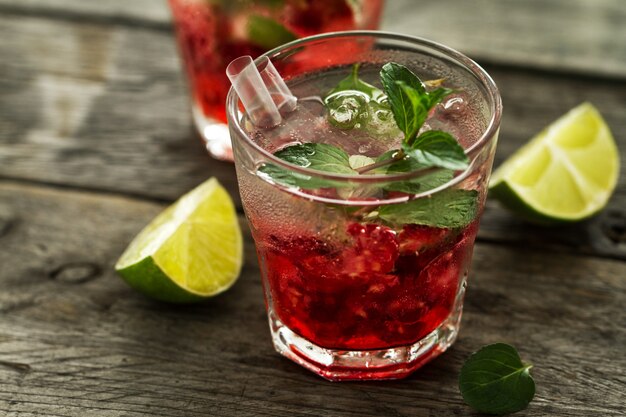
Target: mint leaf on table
(448, 208)
(438, 149)
(494, 380)
(267, 33)
(317, 156)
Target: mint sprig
(351, 104)
(403, 89)
(494, 380)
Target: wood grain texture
(95, 347)
(574, 35)
(95, 138)
(74, 105)
(104, 108)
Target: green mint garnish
(397, 81)
(353, 104)
(317, 156)
(410, 104)
(494, 380)
(421, 184)
(435, 148)
(449, 208)
(267, 33)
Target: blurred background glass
(211, 33)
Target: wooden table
(95, 139)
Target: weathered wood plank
(573, 35)
(77, 99)
(562, 35)
(95, 347)
(104, 108)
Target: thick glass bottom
(215, 135)
(346, 365)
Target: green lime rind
(565, 174)
(189, 252)
(511, 200)
(146, 277)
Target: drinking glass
(352, 290)
(211, 33)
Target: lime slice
(192, 250)
(564, 174)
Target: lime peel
(191, 251)
(566, 173)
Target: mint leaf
(435, 96)
(289, 178)
(391, 73)
(267, 33)
(437, 148)
(409, 164)
(421, 184)
(317, 156)
(394, 77)
(449, 208)
(494, 380)
(353, 83)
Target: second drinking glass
(211, 33)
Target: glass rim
(490, 132)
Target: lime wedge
(564, 174)
(192, 250)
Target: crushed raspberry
(416, 238)
(375, 250)
(378, 289)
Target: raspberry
(375, 250)
(415, 238)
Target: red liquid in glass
(382, 289)
(210, 35)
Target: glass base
(215, 135)
(350, 365)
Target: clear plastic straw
(261, 89)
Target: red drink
(364, 272)
(211, 34)
(382, 289)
